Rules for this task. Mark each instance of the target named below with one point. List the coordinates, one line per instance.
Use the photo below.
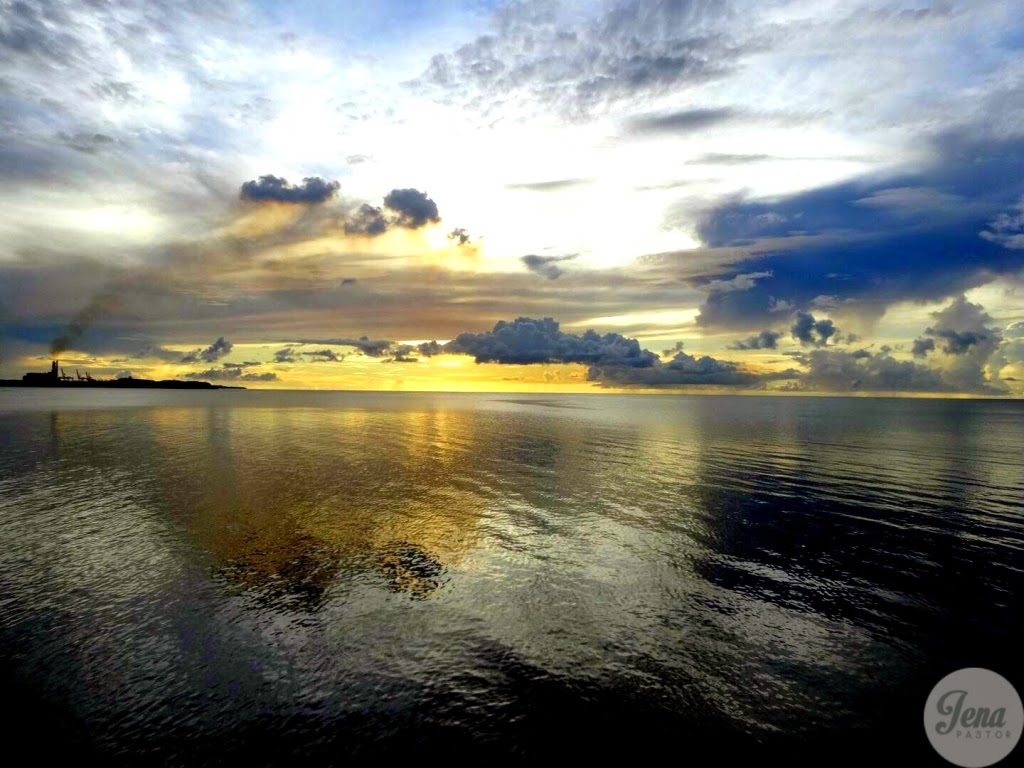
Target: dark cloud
(412, 208)
(613, 359)
(367, 346)
(684, 121)
(429, 348)
(766, 339)
(324, 355)
(230, 374)
(683, 370)
(459, 235)
(546, 266)
(220, 348)
(286, 355)
(873, 241)
(807, 330)
(406, 208)
(525, 340)
(273, 188)
(957, 342)
(367, 220)
(922, 347)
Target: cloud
(684, 121)
(722, 158)
(807, 330)
(549, 186)
(612, 359)
(430, 348)
(827, 241)
(160, 353)
(969, 338)
(230, 374)
(273, 188)
(412, 208)
(525, 340)
(543, 54)
(89, 143)
(369, 347)
(1007, 229)
(837, 370)
(406, 208)
(324, 355)
(220, 348)
(99, 306)
(367, 220)
(286, 355)
(922, 347)
(956, 342)
(766, 339)
(683, 370)
(545, 266)
(459, 235)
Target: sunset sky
(801, 196)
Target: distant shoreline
(116, 384)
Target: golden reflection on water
(285, 499)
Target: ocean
(263, 578)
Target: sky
(781, 196)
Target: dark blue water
(286, 578)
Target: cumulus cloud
(406, 208)
(430, 348)
(412, 209)
(220, 348)
(546, 266)
(525, 340)
(683, 370)
(612, 359)
(838, 370)
(808, 330)
(922, 347)
(766, 339)
(367, 220)
(968, 339)
(313, 189)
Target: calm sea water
(272, 578)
